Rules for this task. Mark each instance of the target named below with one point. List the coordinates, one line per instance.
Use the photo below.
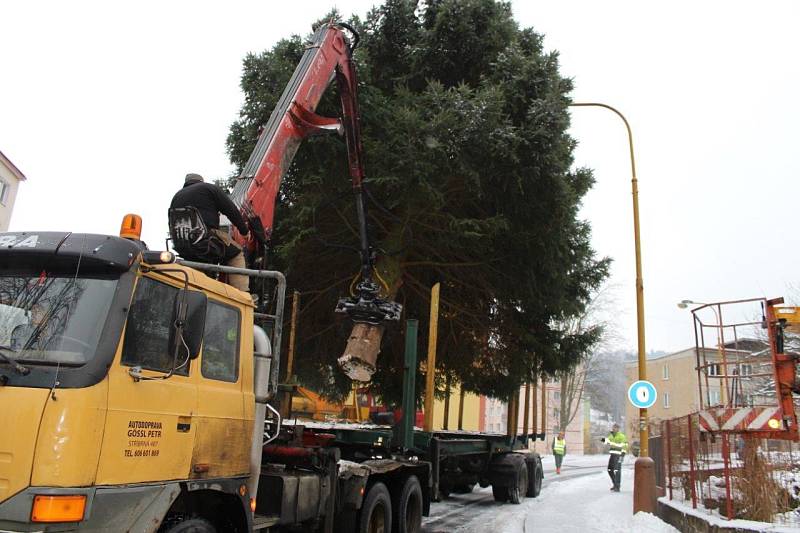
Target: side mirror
(190, 310)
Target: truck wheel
(535, 480)
(407, 507)
(376, 512)
(500, 493)
(517, 491)
(190, 525)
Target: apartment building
(678, 383)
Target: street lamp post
(644, 450)
(644, 481)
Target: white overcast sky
(105, 106)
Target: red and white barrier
(739, 418)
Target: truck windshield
(53, 319)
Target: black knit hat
(193, 178)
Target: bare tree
(598, 317)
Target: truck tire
(407, 507)
(179, 524)
(376, 512)
(535, 479)
(500, 494)
(518, 490)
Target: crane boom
(294, 118)
(328, 56)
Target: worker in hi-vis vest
(559, 450)
(618, 446)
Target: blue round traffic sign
(642, 394)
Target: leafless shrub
(760, 496)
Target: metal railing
(729, 475)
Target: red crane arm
(293, 119)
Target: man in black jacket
(210, 201)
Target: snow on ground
(573, 503)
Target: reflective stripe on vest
(559, 446)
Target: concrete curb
(692, 522)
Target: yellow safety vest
(559, 446)
(618, 443)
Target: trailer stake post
(405, 439)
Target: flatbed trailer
(458, 460)
(397, 467)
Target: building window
(665, 372)
(714, 369)
(557, 396)
(714, 397)
(5, 188)
(745, 370)
(666, 399)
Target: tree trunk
(572, 385)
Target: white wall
(6, 208)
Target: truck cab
(112, 414)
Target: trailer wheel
(178, 524)
(535, 480)
(500, 493)
(407, 507)
(376, 512)
(518, 491)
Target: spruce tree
(471, 182)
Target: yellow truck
(134, 397)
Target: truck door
(222, 444)
(150, 424)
